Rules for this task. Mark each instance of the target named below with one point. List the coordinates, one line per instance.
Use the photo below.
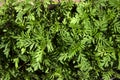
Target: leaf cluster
(41, 44)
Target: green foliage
(41, 44)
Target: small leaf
(23, 57)
(23, 50)
(6, 50)
(16, 61)
(119, 61)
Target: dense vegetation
(65, 43)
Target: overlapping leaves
(37, 43)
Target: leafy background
(41, 44)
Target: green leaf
(23, 50)
(7, 76)
(119, 61)
(49, 46)
(23, 58)
(7, 50)
(16, 61)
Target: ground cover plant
(65, 43)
